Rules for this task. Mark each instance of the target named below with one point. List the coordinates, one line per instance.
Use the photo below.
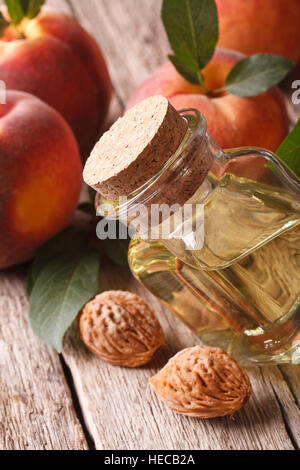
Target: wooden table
(76, 401)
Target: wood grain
(36, 411)
(131, 36)
(122, 412)
(130, 416)
(118, 406)
(36, 407)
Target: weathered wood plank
(122, 412)
(61, 5)
(36, 409)
(278, 381)
(119, 408)
(131, 36)
(291, 375)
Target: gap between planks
(269, 421)
(36, 410)
(122, 412)
(117, 26)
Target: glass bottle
(230, 271)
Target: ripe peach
(59, 62)
(232, 121)
(260, 26)
(40, 170)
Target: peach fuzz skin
(60, 63)
(253, 26)
(41, 176)
(232, 121)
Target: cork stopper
(135, 148)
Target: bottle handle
(264, 161)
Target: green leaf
(69, 241)
(19, 9)
(25, 5)
(193, 32)
(289, 151)
(15, 10)
(256, 74)
(190, 76)
(34, 7)
(62, 288)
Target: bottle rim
(197, 127)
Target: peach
(60, 63)
(232, 121)
(40, 169)
(260, 26)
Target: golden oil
(248, 305)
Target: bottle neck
(179, 179)
(229, 190)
